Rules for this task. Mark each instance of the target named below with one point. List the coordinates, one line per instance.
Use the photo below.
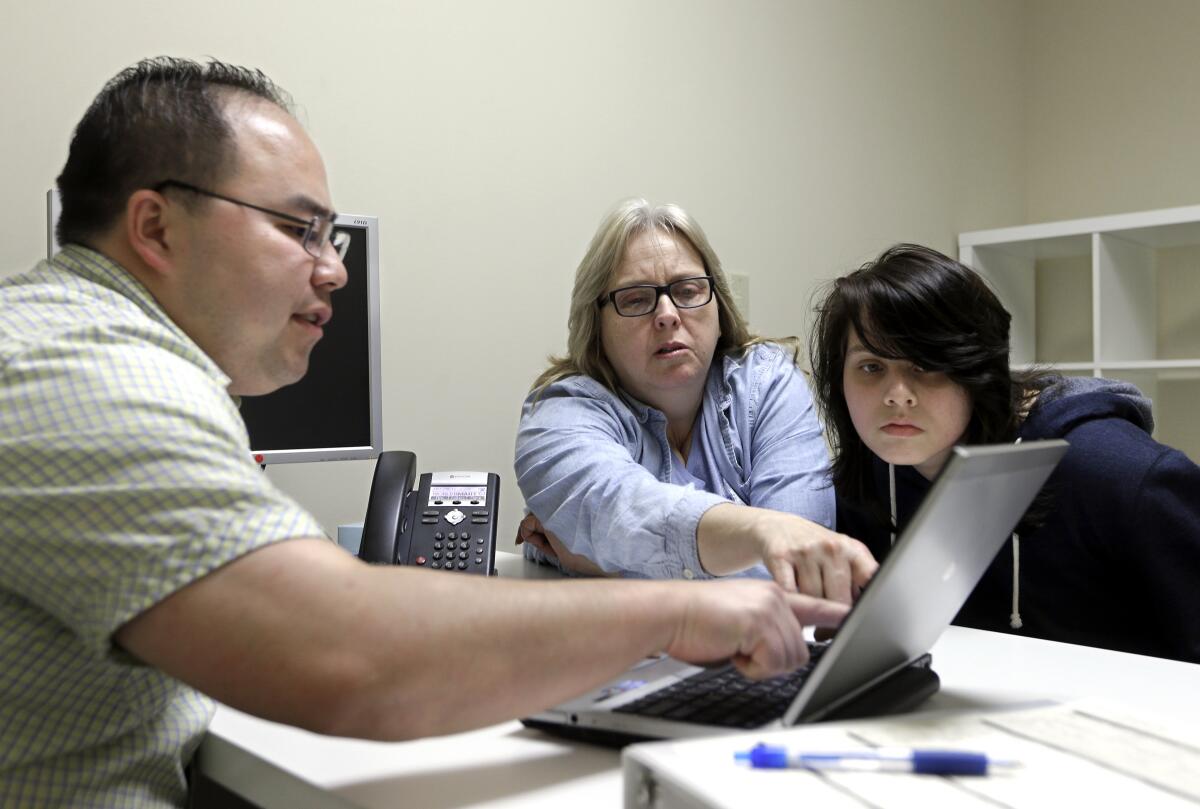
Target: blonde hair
(585, 354)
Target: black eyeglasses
(317, 230)
(642, 299)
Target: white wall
(1113, 121)
(489, 137)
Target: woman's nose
(665, 313)
(899, 393)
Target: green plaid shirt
(125, 474)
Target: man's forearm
(302, 633)
(506, 648)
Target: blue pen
(883, 759)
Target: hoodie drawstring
(892, 494)
(1014, 619)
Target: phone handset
(447, 523)
(384, 523)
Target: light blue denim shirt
(598, 472)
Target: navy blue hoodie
(1115, 561)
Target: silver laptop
(878, 662)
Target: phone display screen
(458, 495)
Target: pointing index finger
(817, 611)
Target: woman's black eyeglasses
(642, 299)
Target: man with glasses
(146, 564)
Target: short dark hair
(915, 303)
(163, 118)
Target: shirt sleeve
(789, 462)
(578, 475)
(126, 476)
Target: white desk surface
(509, 766)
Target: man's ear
(151, 222)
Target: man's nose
(329, 272)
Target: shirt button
(688, 574)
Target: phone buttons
(454, 517)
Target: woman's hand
(801, 555)
(806, 557)
(532, 531)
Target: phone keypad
(454, 540)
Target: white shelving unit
(1115, 296)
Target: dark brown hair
(160, 119)
(915, 303)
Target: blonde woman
(670, 442)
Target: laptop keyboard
(724, 697)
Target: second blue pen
(922, 761)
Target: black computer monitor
(334, 412)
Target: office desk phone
(448, 522)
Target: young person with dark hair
(910, 356)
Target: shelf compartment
(1149, 301)
(1046, 285)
